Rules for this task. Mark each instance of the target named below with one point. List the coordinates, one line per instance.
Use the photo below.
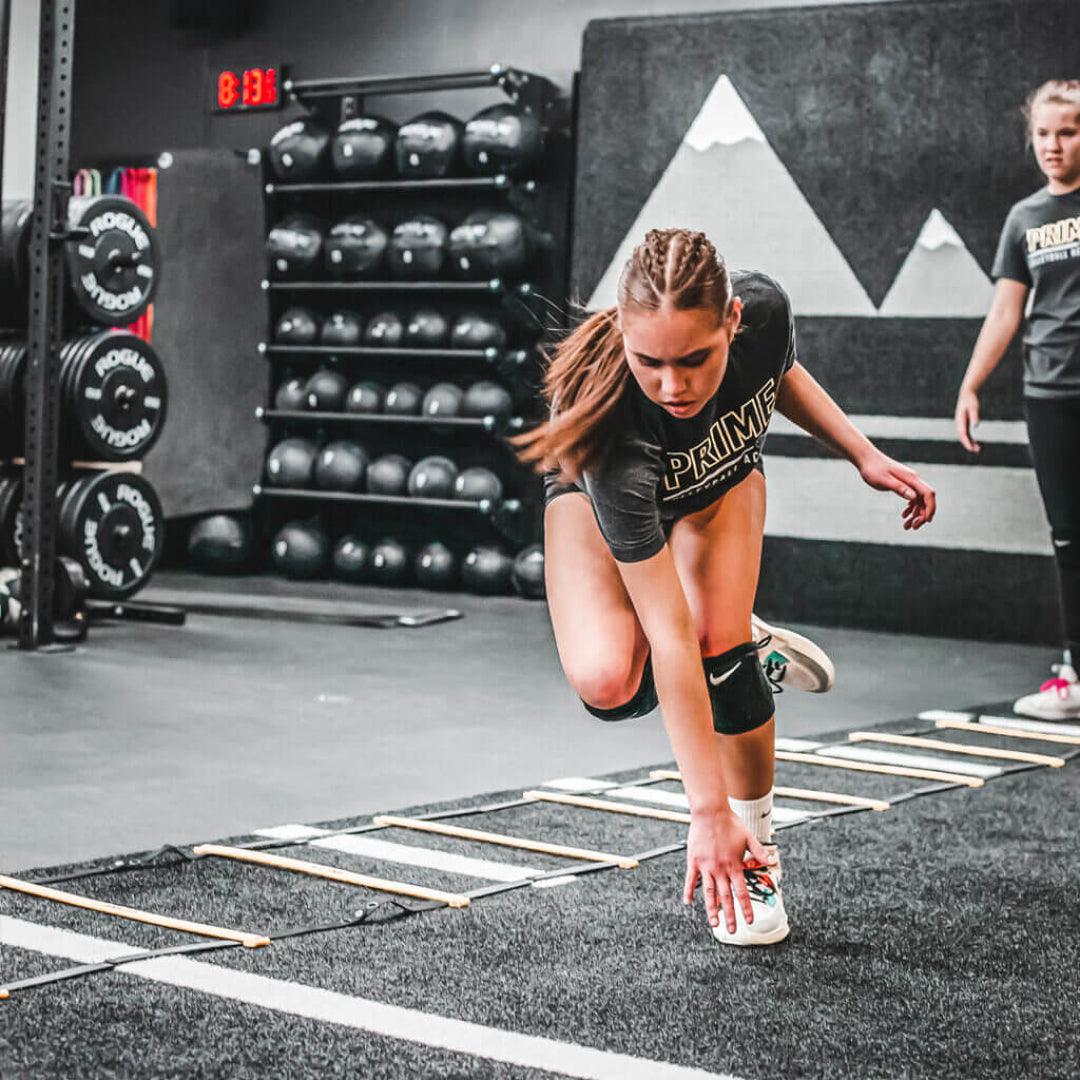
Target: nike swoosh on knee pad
(716, 680)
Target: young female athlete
(1039, 254)
(653, 526)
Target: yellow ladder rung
(332, 873)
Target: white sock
(755, 814)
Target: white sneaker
(1057, 699)
(770, 923)
(791, 659)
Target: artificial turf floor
(939, 938)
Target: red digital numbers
(228, 87)
(253, 88)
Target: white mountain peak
(723, 119)
(937, 232)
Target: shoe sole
(773, 937)
(1053, 717)
(813, 656)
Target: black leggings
(1054, 434)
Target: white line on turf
(329, 1006)
(916, 761)
(578, 784)
(799, 746)
(370, 847)
(945, 714)
(681, 802)
(1046, 727)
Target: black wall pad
(880, 112)
(210, 316)
(983, 595)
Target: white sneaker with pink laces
(1058, 698)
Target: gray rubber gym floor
(940, 937)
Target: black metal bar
(487, 423)
(481, 183)
(5, 40)
(386, 354)
(492, 287)
(484, 507)
(40, 474)
(397, 84)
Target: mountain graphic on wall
(940, 278)
(727, 181)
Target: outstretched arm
(717, 839)
(806, 403)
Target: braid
(681, 264)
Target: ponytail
(583, 385)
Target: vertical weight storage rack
(532, 309)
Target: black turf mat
(938, 938)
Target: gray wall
(21, 112)
(157, 98)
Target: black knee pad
(642, 703)
(741, 696)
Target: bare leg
(600, 641)
(718, 555)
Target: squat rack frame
(45, 324)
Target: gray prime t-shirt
(1040, 247)
(660, 467)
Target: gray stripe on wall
(991, 509)
(919, 428)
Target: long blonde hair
(587, 371)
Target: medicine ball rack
(544, 206)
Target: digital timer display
(244, 89)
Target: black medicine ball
(442, 401)
(435, 567)
(417, 248)
(403, 399)
(478, 484)
(389, 563)
(528, 572)
(502, 139)
(474, 331)
(291, 395)
(489, 244)
(363, 148)
(429, 145)
(294, 246)
(326, 391)
(289, 464)
(297, 326)
(341, 328)
(426, 329)
(351, 559)
(354, 247)
(487, 398)
(433, 478)
(384, 331)
(299, 151)
(487, 570)
(300, 550)
(365, 398)
(340, 466)
(389, 475)
(221, 543)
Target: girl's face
(678, 357)
(1055, 138)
